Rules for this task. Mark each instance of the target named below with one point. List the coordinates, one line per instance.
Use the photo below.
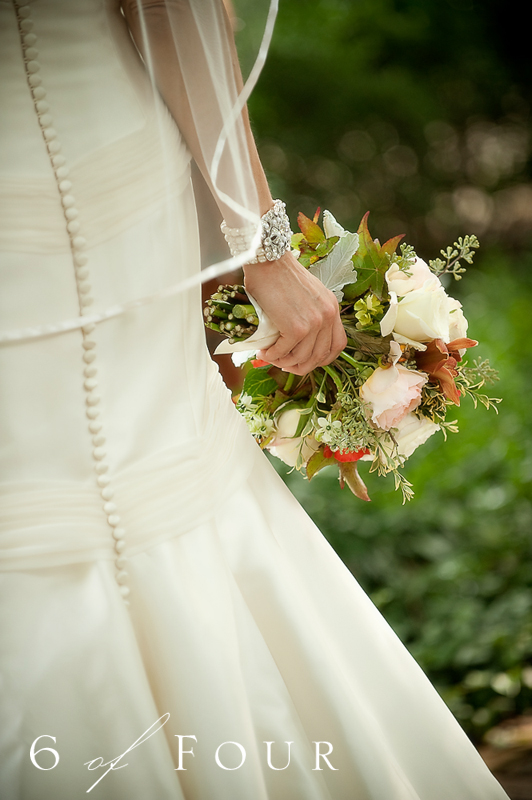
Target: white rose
(420, 316)
(285, 446)
(412, 431)
(401, 283)
(457, 321)
(392, 392)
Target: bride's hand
(304, 311)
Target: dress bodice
(96, 208)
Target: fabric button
(89, 372)
(109, 507)
(124, 590)
(120, 546)
(71, 213)
(95, 426)
(84, 287)
(118, 534)
(31, 53)
(101, 467)
(113, 520)
(80, 242)
(98, 440)
(89, 357)
(58, 160)
(46, 120)
(92, 399)
(42, 107)
(80, 259)
(86, 300)
(120, 562)
(33, 67)
(99, 453)
(39, 93)
(107, 493)
(90, 384)
(62, 172)
(24, 11)
(92, 412)
(35, 80)
(54, 146)
(103, 480)
(26, 24)
(68, 200)
(29, 39)
(73, 226)
(88, 344)
(65, 186)
(122, 576)
(82, 274)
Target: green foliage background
(419, 111)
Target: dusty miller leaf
(336, 269)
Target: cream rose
(401, 283)
(392, 392)
(457, 322)
(285, 446)
(420, 316)
(412, 431)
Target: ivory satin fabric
(243, 624)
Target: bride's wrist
(256, 274)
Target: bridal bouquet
(401, 372)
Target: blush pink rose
(392, 392)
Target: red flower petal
(258, 362)
(344, 455)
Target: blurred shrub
(452, 570)
(416, 110)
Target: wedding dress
(154, 567)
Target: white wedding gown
(127, 474)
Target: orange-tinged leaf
(349, 475)
(390, 246)
(310, 229)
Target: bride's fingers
(287, 343)
(320, 355)
(327, 347)
(301, 353)
(338, 340)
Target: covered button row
(101, 468)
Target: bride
(174, 627)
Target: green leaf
(316, 462)
(324, 248)
(371, 263)
(258, 383)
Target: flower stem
(334, 375)
(351, 360)
(289, 382)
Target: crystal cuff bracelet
(275, 240)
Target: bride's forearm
(154, 27)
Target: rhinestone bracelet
(275, 240)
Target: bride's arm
(304, 311)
